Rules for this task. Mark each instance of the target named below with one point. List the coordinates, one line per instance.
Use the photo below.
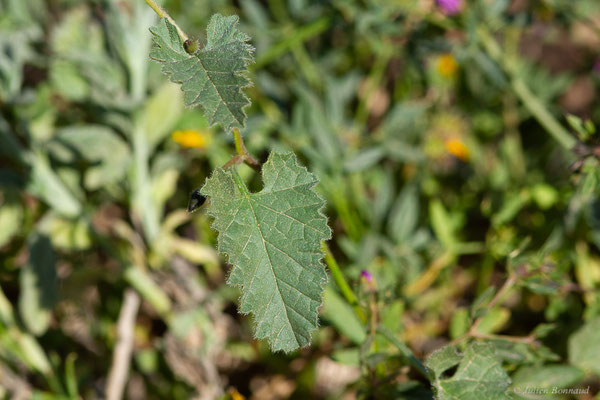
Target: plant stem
(163, 14)
(430, 274)
(242, 154)
(406, 352)
(338, 277)
(473, 333)
(530, 339)
(512, 279)
(240, 148)
(527, 97)
(291, 40)
(119, 370)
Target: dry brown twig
(119, 370)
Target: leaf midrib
(287, 317)
(206, 70)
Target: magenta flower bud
(367, 275)
(450, 7)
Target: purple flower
(450, 7)
(367, 275)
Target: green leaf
(99, 145)
(65, 233)
(547, 376)
(442, 360)
(460, 323)
(442, 224)
(150, 291)
(161, 112)
(38, 285)
(341, 315)
(44, 183)
(584, 347)
(494, 320)
(212, 77)
(404, 214)
(11, 217)
(273, 240)
(479, 374)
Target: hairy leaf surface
(479, 374)
(212, 77)
(273, 240)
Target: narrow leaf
(213, 76)
(272, 238)
(342, 317)
(38, 285)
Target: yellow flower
(447, 66)
(235, 395)
(191, 138)
(457, 148)
(447, 140)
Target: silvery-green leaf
(212, 77)
(479, 374)
(273, 240)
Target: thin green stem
(242, 154)
(295, 38)
(541, 113)
(527, 97)
(339, 279)
(163, 14)
(406, 352)
(239, 142)
(508, 284)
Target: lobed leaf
(212, 77)
(479, 374)
(273, 240)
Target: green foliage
(38, 285)
(273, 240)
(479, 374)
(457, 159)
(212, 77)
(340, 314)
(547, 377)
(99, 146)
(584, 347)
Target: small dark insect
(196, 200)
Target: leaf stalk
(163, 14)
(405, 350)
(242, 154)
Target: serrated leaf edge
(226, 255)
(181, 49)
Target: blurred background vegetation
(456, 149)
